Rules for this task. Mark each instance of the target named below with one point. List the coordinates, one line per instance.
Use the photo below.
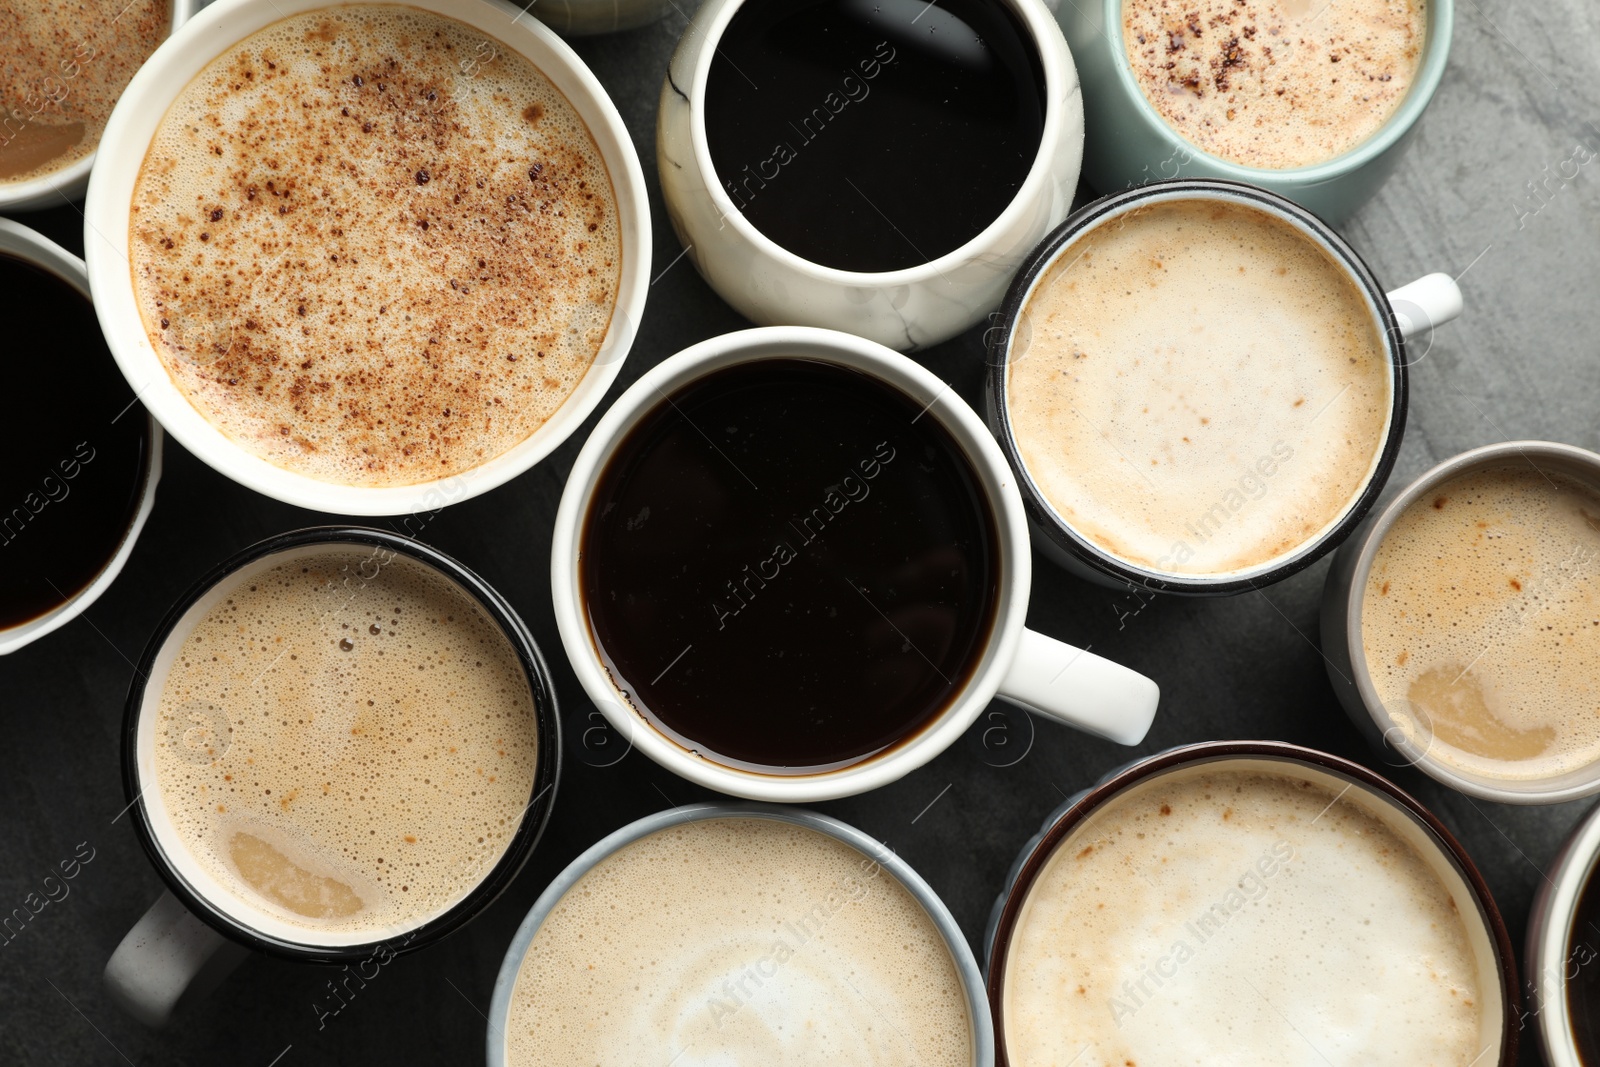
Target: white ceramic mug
(1344, 651)
(905, 309)
(1557, 950)
(68, 184)
(1027, 668)
(127, 138)
(966, 967)
(36, 249)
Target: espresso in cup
(1275, 84)
(1233, 914)
(1197, 387)
(1582, 971)
(873, 137)
(373, 246)
(739, 940)
(75, 473)
(1481, 622)
(788, 567)
(66, 65)
(346, 743)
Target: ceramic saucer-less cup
(67, 184)
(34, 248)
(1562, 948)
(897, 868)
(1488, 943)
(1344, 650)
(904, 309)
(106, 239)
(1129, 143)
(1405, 316)
(1019, 665)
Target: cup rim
(1430, 71)
(955, 940)
(534, 818)
(1039, 851)
(1060, 83)
(1550, 939)
(893, 369)
(1483, 457)
(143, 105)
(68, 182)
(1038, 263)
(30, 246)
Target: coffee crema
(1275, 84)
(1198, 388)
(738, 940)
(789, 567)
(373, 246)
(1480, 622)
(66, 63)
(1239, 917)
(346, 744)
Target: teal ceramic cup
(1127, 143)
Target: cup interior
(127, 138)
(1060, 82)
(955, 940)
(238, 915)
(1010, 347)
(1430, 70)
(1488, 940)
(34, 248)
(1417, 749)
(926, 391)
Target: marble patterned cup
(905, 309)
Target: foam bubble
(1481, 623)
(738, 941)
(1275, 83)
(1202, 390)
(368, 744)
(374, 246)
(1239, 918)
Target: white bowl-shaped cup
(106, 240)
(897, 868)
(1024, 667)
(23, 243)
(1558, 949)
(1344, 650)
(68, 184)
(905, 309)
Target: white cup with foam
(107, 214)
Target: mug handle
(169, 956)
(1432, 300)
(1081, 689)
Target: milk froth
(738, 940)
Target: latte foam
(738, 941)
(345, 744)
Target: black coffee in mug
(1582, 970)
(73, 469)
(873, 135)
(789, 567)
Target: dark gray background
(1516, 102)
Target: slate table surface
(1519, 104)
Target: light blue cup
(966, 966)
(1127, 143)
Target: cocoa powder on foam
(374, 246)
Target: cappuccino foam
(1198, 388)
(1275, 84)
(373, 246)
(66, 63)
(1481, 623)
(738, 941)
(1239, 918)
(346, 744)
